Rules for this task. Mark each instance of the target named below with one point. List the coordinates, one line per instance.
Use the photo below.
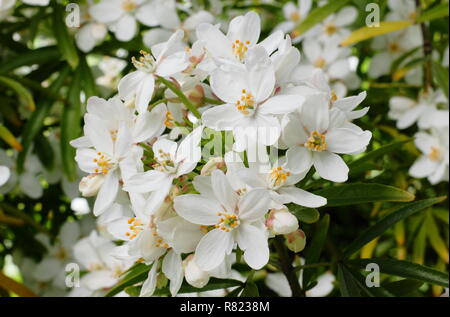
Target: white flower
(166, 60)
(279, 284)
(37, 2)
(424, 111)
(434, 161)
(6, 7)
(243, 35)
(171, 161)
(251, 105)
(193, 274)
(4, 174)
(294, 15)
(89, 35)
(314, 138)
(232, 218)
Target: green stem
(213, 101)
(286, 267)
(427, 52)
(180, 95)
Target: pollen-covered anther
(278, 176)
(104, 164)
(145, 63)
(320, 62)
(227, 222)
(169, 122)
(245, 103)
(331, 28)
(240, 49)
(316, 142)
(135, 226)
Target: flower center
(164, 163)
(330, 29)
(246, 104)
(320, 62)
(146, 62)
(159, 242)
(435, 154)
(413, 16)
(129, 5)
(333, 96)
(394, 47)
(295, 16)
(227, 222)
(104, 164)
(240, 49)
(135, 226)
(278, 176)
(316, 142)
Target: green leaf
(44, 152)
(213, 284)
(70, 126)
(88, 83)
(319, 14)
(23, 93)
(435, 238)
(63, 39)
(303, 214)
(441, 77)
(359, 193)
(399, 60)
(405, 269)
(34, 124)
(354, 283)
(367, 32)
(403, 288)
(137, 274)
(250, 290)
(314, 250)
(437, 12)
(38, 56)
(9, 138)
(234, 293)
(383, 150)
(380, 227)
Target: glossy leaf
(23, 93)
(367, 32)
(64, 40)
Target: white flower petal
(253, 242)
(302, 197)
(197, 209)
(212, 248)
(330, 166)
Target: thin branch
(427, 52)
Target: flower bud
(193, 274)
(296, 240)
(212, 164)
(281, 221)
(90, 185)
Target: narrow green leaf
(213, 284)
(399, 60)
(367, 32)
(359, 281)
(359, 193)
(44, 152)
(234, 293)
(303, 214)
(436, 241)
(9, 138)
(70, 126)
(437, 12)
(319, 14)
(347, 284)
(250, 290)
(405, 269)
(441, 77)
(380, 227)
(34, 124)
(137, 274)
(38, 56)
(64, 40)
(383, 150)
(88, 82)
(23, 93)
(403, 288)
(314, 250)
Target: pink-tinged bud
(213, 164)
(90, 185)
(296, 240)
(281, 221)
(193, 274)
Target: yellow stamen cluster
(245, 103)
(206, 229)
(164, 163)
(394, 47)
(135, 226)
(330, 29)
(241, 191)
(278, 176)
(145, 63)
(169, 122)
(435, 154)
(320, 62)
(316, 142)
(227, 222)
(103, 162)
(295, 16)
(129, 5)
(240, 49)
(333, 96)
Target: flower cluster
(185, 211)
